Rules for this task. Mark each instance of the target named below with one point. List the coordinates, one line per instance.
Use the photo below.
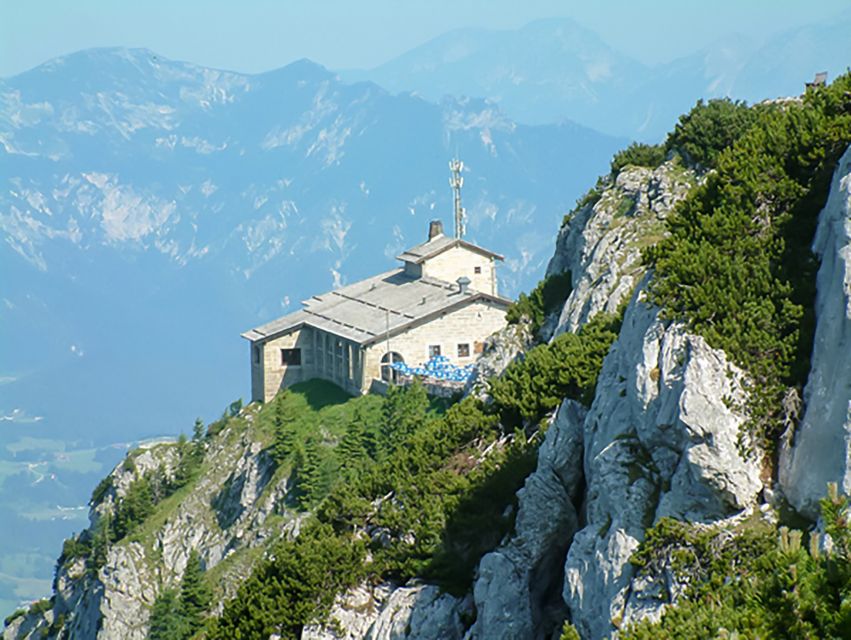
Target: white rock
(660, 440)
(601, 245)
(413, 612)
(512, 580)
(821, 452)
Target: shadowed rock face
(820, 450)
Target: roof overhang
(413, 255)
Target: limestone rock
(500, 350)
(820, 451)
(223, 513)
(513, 580)
(601, 244)
(412, 612)
(660, 439)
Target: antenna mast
(456, 182)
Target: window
(464, 350)
(291, 357)
(477, 270)
(433, 350)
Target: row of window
(463, 350)
(292, 357)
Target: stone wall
(470, 325)
(276, 375)
(458, 261)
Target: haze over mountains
(556, 69)
(150, 210)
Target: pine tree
(198, 430)
(352, 450)
(134, 508)
(167, 621)
(195, 595)
(310, 476)
(405, 410)
(285, 434)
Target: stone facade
(469, 325)
(412, 313)
(459, 261)
(353, 367)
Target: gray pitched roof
(439, 244)
(364, 311)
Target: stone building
(443, 300)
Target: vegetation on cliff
(763, 582)
(737, 266)
(416, 490)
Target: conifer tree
(195, 595)
(167, 622)
(198, 430)
(405, 410)
(309, 473)
(352, 449)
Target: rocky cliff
(663, 437)
(225, 513)
(819, 450)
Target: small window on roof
(291, 357)
(433, 350)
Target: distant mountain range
(555, 69)
(151, 210)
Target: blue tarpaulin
(439, 368)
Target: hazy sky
(256, 35)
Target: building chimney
(435, 228)
(463, 283)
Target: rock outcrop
(518, 592)
(500, 350)
(601, 243)
(819, 450)
(387, 612)
(222, 515)
(660, 439)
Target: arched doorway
(388, 373)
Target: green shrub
(737, 266)
(178, 615)
(546, 298)
(640, 155)
(566, 368)
(19, 613)
(295, 587)
(72, 548)
(40, 607)
(166, 622)
(762, 583)
(708, 129)
(100, 491)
